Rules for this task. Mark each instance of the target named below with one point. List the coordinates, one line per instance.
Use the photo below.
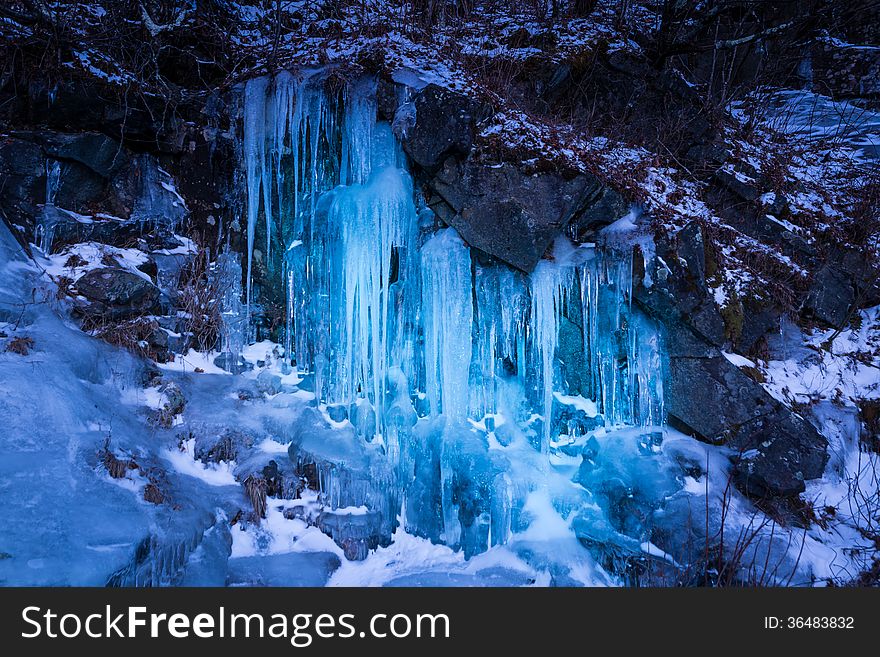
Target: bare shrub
(136, 335)
(255, 488)
(200, 297)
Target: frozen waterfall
(432, 355)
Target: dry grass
(133, 335)
(200, 297)
(20, 345)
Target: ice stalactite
(377, 225)
(448, 317)
(226, 276)
(45, 229)
(550, 286)
(329, 180)
(441, 361)
(501, 310)
(254, 156)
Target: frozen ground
(67, 521)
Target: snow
(183, 460)
(579, 402)
(194, 360)
(739, 361)
(93, 255)
(849, 370)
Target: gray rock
(80, 189)
(862, 269)
(23, 172)
(715, 400)
(778, 453)
(708, 154)
(710, 395)
(745, 190)
(355, 533)
(116, 293)
(231, 363)
(101, 154)
(759, 317)
(605, 207)
(844, 70)
(175, 400)
(158, 339)
(831, 297)
(445, 124)
(268, 383)
(507, 212)
(678, 295)
(337, 412)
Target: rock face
(845, 69)
(97, 152)
(678, 294)
(23, 170)
(116, 293)
(710, 397)
(507, 212)
(603, 208)
(831, 297)
(504, 210)
(444, 125)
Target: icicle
(374, 221)
(391, 331)
(254, 158)
(45, 229)
(550, 285)
(448, 318)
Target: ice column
(551, 284)
(447, 307)
(45, 229)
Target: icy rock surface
(445, 384)
(54, 424)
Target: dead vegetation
(200, 297)
(20, 345)
(255, 488)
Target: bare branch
(155, 29)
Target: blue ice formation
(470, 378)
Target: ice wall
(434, 356)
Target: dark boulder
(507, 212)
(674, 289)
(23, 172)
(831, 297)
(739, 185)
(99, 153)
(846, 70)
(709, 395)
(604, 208)
(778, 450)
(759, 317)
(116, 293)
(444, 124)
(81, 190)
